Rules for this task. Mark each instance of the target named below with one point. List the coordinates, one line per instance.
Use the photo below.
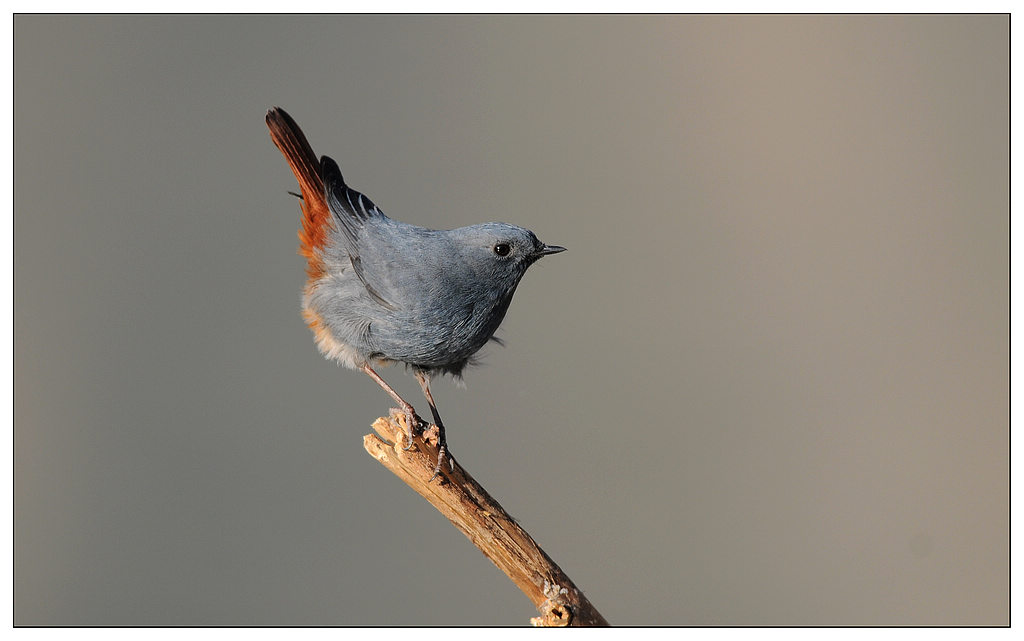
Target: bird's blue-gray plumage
(380, 290)
(397, 292)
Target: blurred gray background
(767, 384)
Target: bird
(380, 291)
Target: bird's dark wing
(359, 220)
(352, 209)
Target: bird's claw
(412, 424)
(442, 454)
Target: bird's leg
(410, 411)
(442, 443)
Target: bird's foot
(442, 454)
(413, 424)
(434, 431)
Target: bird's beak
(550, 249)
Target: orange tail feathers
(316, 217)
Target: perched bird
(382, 291)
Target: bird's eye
(502, 249)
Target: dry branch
(472, 510)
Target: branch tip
(484, 522)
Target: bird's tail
(316, 216)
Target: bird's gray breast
(446, 320)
